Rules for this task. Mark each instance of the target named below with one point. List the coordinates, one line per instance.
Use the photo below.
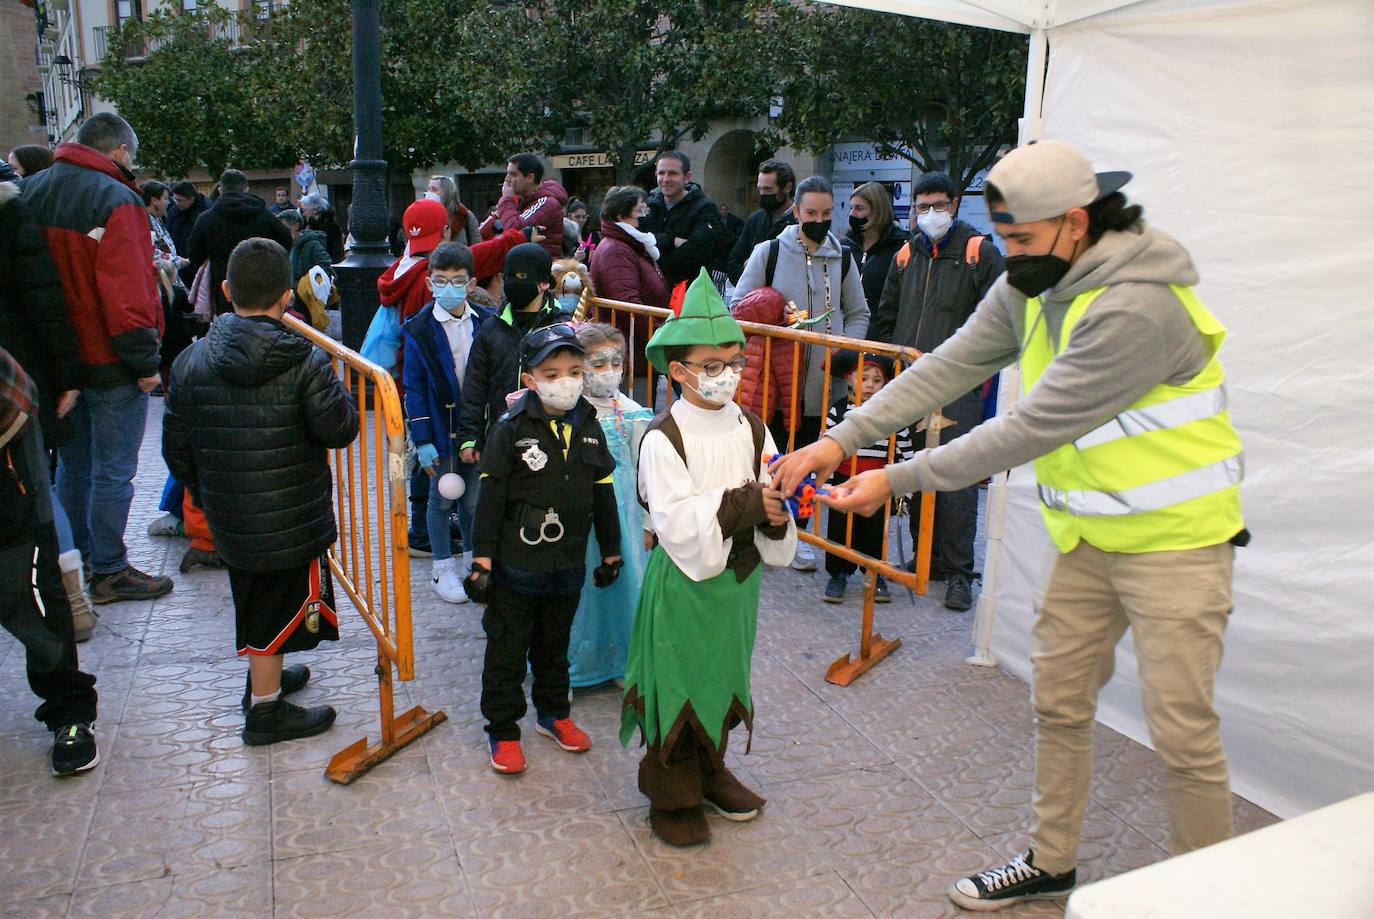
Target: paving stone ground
(880, 794)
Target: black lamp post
(368, 253)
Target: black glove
(606, 573)
(477, 585)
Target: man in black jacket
(238, 214)
(187, 206)
(776, 183)
(936, 282)
(685, 222)
(252, 410)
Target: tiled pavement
(879, 794)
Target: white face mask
(561, 394)
(934, 224)
(603, 384)
(718, 390)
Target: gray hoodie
(1133, 337)
(807, 289)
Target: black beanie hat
(532, 259)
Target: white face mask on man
(935, 224)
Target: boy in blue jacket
(438, 340)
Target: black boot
(272, 722)
(293, 679)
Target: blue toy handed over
(802, 502)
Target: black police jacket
(251, 412)
(535, 509)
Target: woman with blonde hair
(873, 238)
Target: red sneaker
(506, 756)
(564, 733)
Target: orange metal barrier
(638, 322)
(370, 560)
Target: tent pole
(1032, 125)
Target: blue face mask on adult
(451, 298)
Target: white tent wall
(1248, 125)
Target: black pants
(523, 627)
(419, 503)
(867, 538)
(956, 512)
(808, 430)
(43, 624)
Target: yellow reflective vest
(1162, 475)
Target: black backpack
(774, 246)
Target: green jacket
(308, 251)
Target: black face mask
(1032, 275)
(858, 224)
(519, 292)
(770, 202)
(815, 230)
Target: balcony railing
(238, 31)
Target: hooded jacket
(235, 216)
(252, 410)
(875, 264)
(1135, 336)
(493, 370)
(766, 305)
(34, 327)
(807, 288)
(180, 223)
(927, 300)
(307, 251)
(93, 220)
(543, 209)
(695, 219)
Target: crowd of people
(607, 543)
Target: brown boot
(685, 827)
(729, 797)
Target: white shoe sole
(989, 906)
(803, 564)
(463, 598)
(540, 729)
(91, 765)
(736, 816)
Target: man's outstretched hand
(821, 458)
(862, 494)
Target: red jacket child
(766, 305)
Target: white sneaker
(805, 559)
(167, 525)
(446, 582)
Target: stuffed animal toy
(570, 279)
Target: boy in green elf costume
(702, 480)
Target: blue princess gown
(600, 638)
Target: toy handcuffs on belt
(550, 529)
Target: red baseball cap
(424, 223)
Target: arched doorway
(730, 168)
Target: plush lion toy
(570, 279)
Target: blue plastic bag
(382, 343)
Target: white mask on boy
(560, 394)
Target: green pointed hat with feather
(704, 320)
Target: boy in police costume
(717, 520)
(546, 481)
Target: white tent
(1247, 124)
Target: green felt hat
(704, 320)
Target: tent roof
(1026, 15)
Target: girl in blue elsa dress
(600, 637)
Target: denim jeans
(96, 468)
(65, 543)
(439, 509)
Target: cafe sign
(595, 160)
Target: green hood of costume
(704, 320)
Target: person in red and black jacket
(96, 228)
(529, 200)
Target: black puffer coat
(250, 411)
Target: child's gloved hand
(477, 585)
(606, 573)
(426, 455)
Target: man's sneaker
(1017, 880)
(959, 592)
(129, 584)
(564, 733)
(203, 557)
(834, 589)
(73, 749)
(805, 559)
(167, 525)
(445, 581)
(419, 546)
(293, 679)
(278, 720)
(880, 592)
(506, 756)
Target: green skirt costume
(689, 655)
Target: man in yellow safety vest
(1124, 412)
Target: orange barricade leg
(193, 520)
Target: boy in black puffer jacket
(251, 411)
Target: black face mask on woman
(1032, 275)
(816, 230)
(858, 224)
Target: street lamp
(368, 254)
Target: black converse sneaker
(1017, 880)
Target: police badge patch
(533, 456)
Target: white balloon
(451, 486)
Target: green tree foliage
(914, 87)
(190, 93)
